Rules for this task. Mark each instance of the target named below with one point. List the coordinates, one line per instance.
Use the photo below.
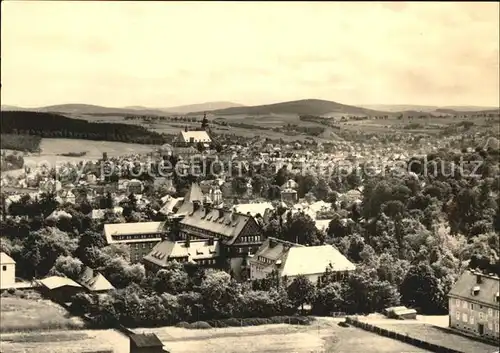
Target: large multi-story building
(140, 237)
(474, 305)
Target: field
(51, 148)
(325, 338)
(437, 335)
(27, 315)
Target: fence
(400, 337)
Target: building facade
(7, 271)
(474, 305)
(140, 237)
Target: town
(312, 203)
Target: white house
(291, 260)
(8, 271)
(194, 137)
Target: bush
(200, 325)
(183, 324)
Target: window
(144, 245)
(496, 327)
(464, 304)
(464, 317)
(458, 302)
(490, 326)
(137, 246)
(471, 321)
(490, 312)
(481, 316)
(4, 268)
(457, 315)
(472, 307)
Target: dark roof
(145, 340)
(93, 281)
(225, 223)
(467, 283)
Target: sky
(162, 54)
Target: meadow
(34, 314)
(326, 337)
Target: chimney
(210, 241)
(221, 213)
(188, 241)
(272, 243)
(104, 156)
(196, 205)
(479, 280)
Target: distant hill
(425, 108)
(299, 107)
(185, 109)
(95, 109)
(84, 109)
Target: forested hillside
(58, 126)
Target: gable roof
(196, 135)
(168, 250)
(318, 259)
(94, 281)
(132, 229)
(54, 282)
(467, 282)
(6, 259)
(145, 340)
(222, 222)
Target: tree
(219, 294)
(420, 289)
(301, 291)
(301, 229)
(67, 266)
(172, 279)
(328, 299)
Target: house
(287, 259)
(193, 137)
(94, 281)
(145, 343)
(474, 303)
(59, 289)
(8, 271)
(140, 237)
(200, 252)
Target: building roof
(132, 229)
(197, 136)
(143, 340)
(94, 281)
(171, 205)
(6, 259)
(54, 282)
(253, 208)
(168, 250)
(488, 288)
(294, 259)
(222, 222)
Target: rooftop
(6, 259)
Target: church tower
(204, 122)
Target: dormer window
(497, 297)
(475, 290)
